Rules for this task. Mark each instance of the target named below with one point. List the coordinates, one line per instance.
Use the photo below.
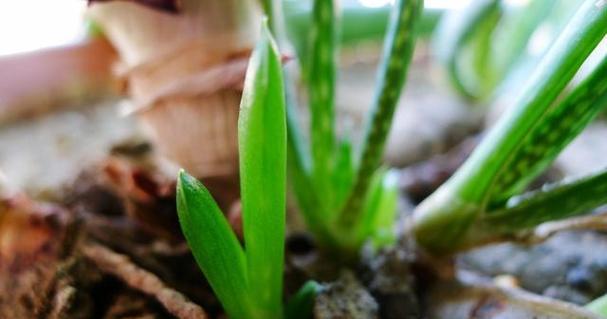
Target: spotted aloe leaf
(525, 140)
(552, 202)
(559, 126)
(321, 74)
(397, 55)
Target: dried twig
(137, 278)
(590, 222)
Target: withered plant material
(597, 222)
(50, 79)
(469, 299)
(148, 196)
(184, 73)
(35, 242)
(137, 278)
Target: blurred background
(61, 107)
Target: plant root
(139, 279)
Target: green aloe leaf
(493, 157)
(552, 202)
(598, 306)
(214, 245)
(515, 31)
(262, 150)
(398, 51)
(558, 127)
(343, 174)
(379, 212)
(321, 73)
(442, 219)
(301, 305)
(456, 30)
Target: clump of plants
(248, 280)
(482, 202)
(343, 194)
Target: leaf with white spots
(398, 51)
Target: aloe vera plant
(480, 202)
(248, 281)
(342, 195)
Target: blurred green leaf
(343, 175)
(455, 30)
(598, 306)
(301, 305)
(379, 212)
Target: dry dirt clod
(389, 277)
(142, 280)
(345, 298)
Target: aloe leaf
(366, 225)
(343, 174)
(484, 74)
(598, 306)
(383, 223)
(312, 209)
(475, 179)
(262, 150)
(214, 245)
(493, 156)
(558, 127)
(320, 75)
(358, 23)
(552, 202)
(442, 219)
(301, 305)
(398, 51)
(515, 31)
(454, 32)
(379, 212)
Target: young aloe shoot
(247, 281)
(480, 202)
(346, 199)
